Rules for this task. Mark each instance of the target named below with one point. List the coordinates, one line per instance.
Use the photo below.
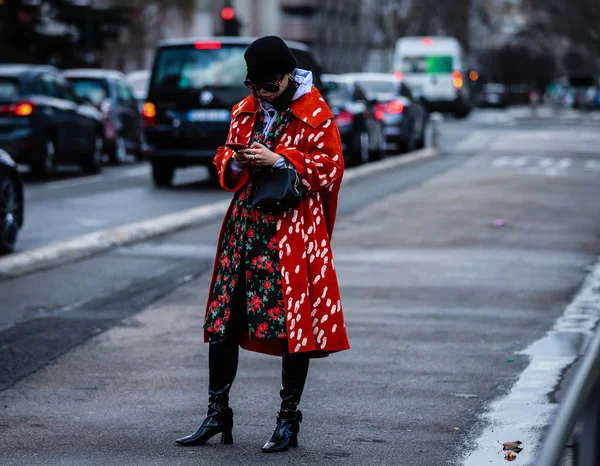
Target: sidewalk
(438, 302)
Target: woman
(274, 288)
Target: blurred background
(515, 42)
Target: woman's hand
(259, 155)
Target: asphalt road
(448, 269)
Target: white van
(436, 69)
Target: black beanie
(267, 57)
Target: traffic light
(231, 25)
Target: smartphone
(236, 146)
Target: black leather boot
(222, 363)
(294, 369)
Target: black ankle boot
(218, 421)
(294, 369)
(222, 364)
(286, 431)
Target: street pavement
(448, 269)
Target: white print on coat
(324, 243)
(310, 246)
(289, 306)
(297, 269)
(320, 336)
(279, 224)
(297, 139)
(321, 145)
(324, 292)
(318, 220)
(299, 334)
(324, 344)
(292, 324)
(246, 118)
(312, 258)
(334, 328)
(288, 249)
(317, 111)
(315, 322)
(317, 302)
(336, 158)
(305, 183)
(283, 240)
(316, 280)
(297, 348)
(304, 341)
(324, 318)
(291, 229)
(302, 298)
(317, 157)
(288, 290)
(287, 278)
(298, 317)
(235, 125)
(327, 123)
(328, 303)
(333, 172)
(289, 316)
(292, 333)
(333, 309)
(298, 228)
(310, 230)
(297, 306)
(295, 217)
(310, 138)
(323, 270)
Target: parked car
(110, 92)
(193, 87)
(43, 123)
(403, 116)
(493, 95)
(12, 203)
(362, 133)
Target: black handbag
(278, 190)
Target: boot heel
(227, 437)
(293, 441)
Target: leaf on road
(510, 455)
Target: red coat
(311, 142)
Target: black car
(362, 133)
(493, 95)
(43, 123)
(11, 203)
(404, 118)
(193, 87)
(110, 92)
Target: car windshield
(93, 89)
(193, 67)
(427, 64)
(336, 91)
(379, 89)
(9, 88)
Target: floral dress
(248, 275)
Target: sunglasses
(269, 87)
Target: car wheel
(10, 206)
(119, 153)
(162, 174)
(94, 163)
(46, 166)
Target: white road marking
(137, 171)
(592, 164)
(76, 182)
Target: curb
(91, 244)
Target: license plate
(209, 115)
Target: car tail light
(344, 118)
(211, 45)
(398, 75)
(379, 111)
(394, 107)
(457, 79)
(23, 109)
(149, 113)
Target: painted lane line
(527, 409)
(75, 182)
